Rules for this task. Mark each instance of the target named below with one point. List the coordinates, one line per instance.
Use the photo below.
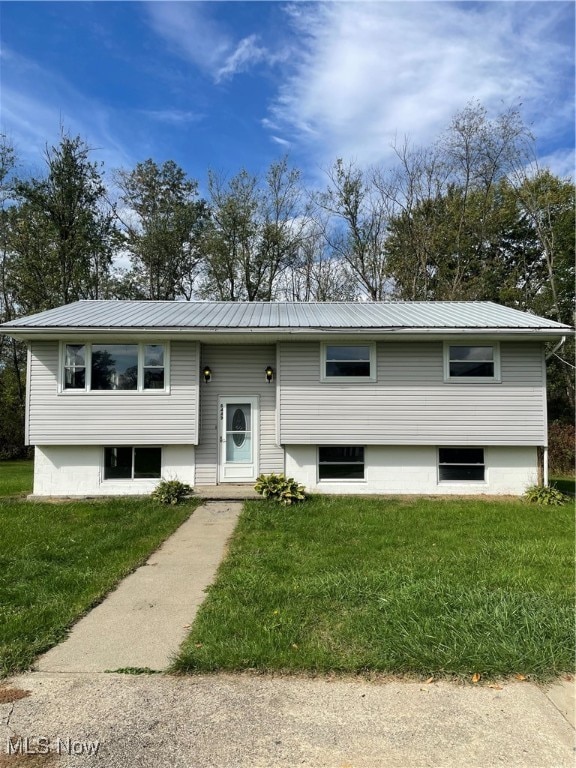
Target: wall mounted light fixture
(207, 373)
(269, 373)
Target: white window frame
(496, 379)
(461, 464)
(340, 479)
(349, 379)
(112, 392)
(104, 479)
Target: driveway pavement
(226, 721)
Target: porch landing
(226, 491)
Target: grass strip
(16, 477)
(405, 585)
(59, 559)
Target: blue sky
(226, 85)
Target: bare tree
(357, 228)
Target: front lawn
(16, 477)
(57, 560)
(424, 586)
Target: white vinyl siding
(411, 403)
(113, 418)
(237, 371)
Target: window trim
(340, 479)
(496, 379)
(132, 479)
(62, 390)
(461, 464)
(349, 379)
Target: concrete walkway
(144, 621)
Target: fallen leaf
(198, 645)
(569, 678)
(518, 676)
(8, 695)
(476, 677)
(294, 646)
(495, 687)
(430, 680)
(186, 626)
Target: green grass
(57, 560)
(400, 586)
(16, 478)
(564, 483)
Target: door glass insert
(238, 433)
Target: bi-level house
(430, 397)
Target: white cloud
(282, 142)
(37, 104)
(173, 116)
(366, 72)
(247, 53)
(197, 37)
(561, 162)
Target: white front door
(238, 439)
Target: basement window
(341, 462)
(139, 463)
(461, 465)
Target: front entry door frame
(246, 469)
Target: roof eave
(29, 333)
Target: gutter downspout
(556, 348)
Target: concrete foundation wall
(77, 470)
(413, 470)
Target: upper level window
(480, 362)
(113, 367)
(154, 366)
(349, 361)
(75, 366)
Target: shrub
(170, 491)
(546, 495)
(561, 448)
(280, 488)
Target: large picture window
(479, 362)
(125, 463)
(114, 367)
(461, 464)
(348, 361)
(341, 462)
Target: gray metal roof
(230, 315)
